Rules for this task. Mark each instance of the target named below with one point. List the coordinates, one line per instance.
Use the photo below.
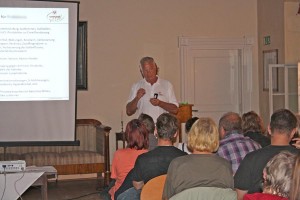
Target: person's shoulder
(175, 150)
(220, 159)
(163, 81)
(138, 83)
(181, 159)
(167, 150)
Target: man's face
(149, 71)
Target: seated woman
(202, 168)
(136, 136)
(188, 125)
(295, 187)
(277, 178)
(253, 127)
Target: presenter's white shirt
(165, 92)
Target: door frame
(243, 45)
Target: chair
(206, 193)
(153, 189)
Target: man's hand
(140, 93)
(171, 108)
(297, 142)
(138, 185)
(131, 107)
(154, 101)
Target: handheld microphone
(155, 95)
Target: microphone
(155, 95)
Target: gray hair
(148, 122)
(146, 59)
(167, 126)
(231, 121)
(279, 174)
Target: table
(13, 185)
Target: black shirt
(150, 165)
(249, 175)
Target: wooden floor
(82, 189)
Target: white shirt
(165, 92)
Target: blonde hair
(203, 136)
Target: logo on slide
(54, 16)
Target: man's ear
(269, 130)
(222, 132)
(264, 174)
(141, 71)
(176, 134)
(293, 132)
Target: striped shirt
(234, 148)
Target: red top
(263, 196)
(122, 163)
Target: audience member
(248, 177)
(188, 125)
(136, 136)
(151, 95)
(253, 127)
(150, 125)
(233, 145)
(296, 139)
(295, 186)
(156, 162)
(277, 176)
(202, 168)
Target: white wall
(121, 32)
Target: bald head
(230, 121)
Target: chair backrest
(153, 189)
(206, 193)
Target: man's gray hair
(167, 126)
(146, 59)
(231, 121)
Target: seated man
(156, 162)
(233, 145)
(248, 177)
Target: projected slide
(29, 37)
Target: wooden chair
(153, 189)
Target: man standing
(249, 176)
(155, 162)
(151, 95)
(233, 145)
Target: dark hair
(231, 121)
(251, 121)
(136, 135)
(167, 126)
(189, 123)
(148, 122)
(283, 121)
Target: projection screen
(38, 45)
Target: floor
(82, 189)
